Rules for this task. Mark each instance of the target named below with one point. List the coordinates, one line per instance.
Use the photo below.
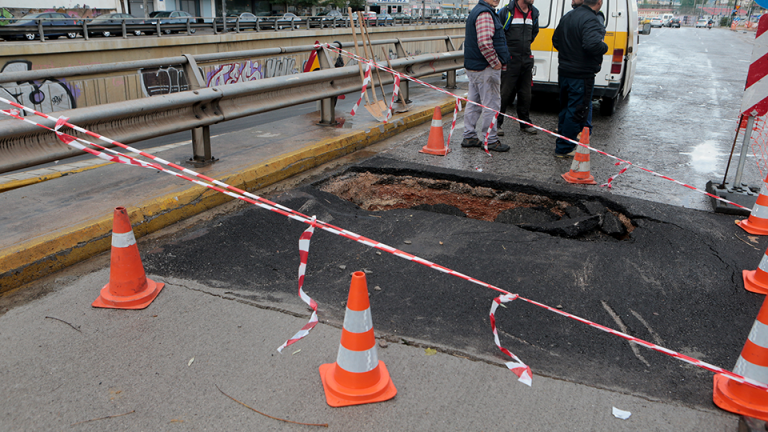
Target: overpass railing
(43, 27)
(23, 145)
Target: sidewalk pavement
(163, 365)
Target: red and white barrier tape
(610, 179)
(395, 92)
(517, 367)
(285, 211)
(456, 110)
(306, 236)
(366, 80)
(488, 133)
(554, 134)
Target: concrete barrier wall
(59, 94)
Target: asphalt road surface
(674, 281)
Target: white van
(615, 78)
(665, 19)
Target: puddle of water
(704, 157)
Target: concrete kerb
(26, 262)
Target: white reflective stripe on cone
(123, 240)
(760, 211)
(750, 370)
(763, 263)
(358, 321)
(583, 167)
(759, 334)
(357, 361)
(437, 123)
(764, 189)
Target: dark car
(328, 17)
(48, 19)
(674, 22)
(170, 17)
(115, 22)
(385, 19)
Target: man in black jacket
(579, 40)
(521, 25)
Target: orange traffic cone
(757, 223)
(128, 287)
(358, 376)
(740, 398)
(435, 143)
(579, 172)
(756, 281)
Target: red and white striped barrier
(517, 367)
(395, 92)
(285, 211)
(456, 110)
(754, 102)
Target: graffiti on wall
(250, 70)
(48, 96)
(163, 80)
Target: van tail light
(617, 61)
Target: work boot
(499, 132)
(529, 130)
(471, 142)
(498, 147)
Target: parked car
(170, 17)
(115, 22)
(286, 20)
(656, 22)
(49, 19)
(674, 22)
(329, 16)
(702, 23)
(401, 16)
(440, 17)
(385, 19)
(247, 20)
(370, 18)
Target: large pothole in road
(580, 219)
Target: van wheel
(106, 34)
(608, 106)
(29, 36)
(137, 33)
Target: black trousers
(516, 81)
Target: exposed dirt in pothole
(377, 192)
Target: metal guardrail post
(201, 136)
(85, 29)
(40, 30)
(404, 84)
(274, 27)
(125, 32)
(258, 25)
(328, 105)
(450, 76)
(188, 28)
(157, 27)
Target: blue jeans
(575, 110)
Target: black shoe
(471, 142)
(499, 132)
(529, 130)
(498, 147)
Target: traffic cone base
(339, 395)
(580, 167)
(436, 142)
(753, 283)
(739, 398)
(752, 228)
(138, 301)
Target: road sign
(755, 100)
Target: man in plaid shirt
(485, 55)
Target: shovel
(377, 109)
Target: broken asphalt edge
(29, 261)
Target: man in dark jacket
(521, 25)
(485, 54)
(579, 40)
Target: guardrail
(23, 145)
(191, 25)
